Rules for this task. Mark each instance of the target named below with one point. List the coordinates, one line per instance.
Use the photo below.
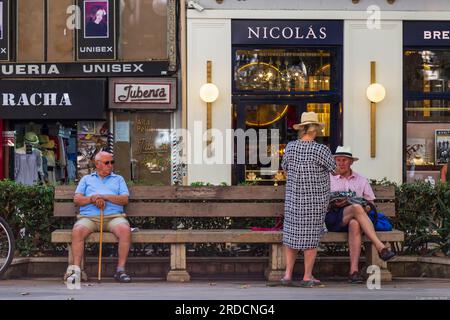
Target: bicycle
(7, 246)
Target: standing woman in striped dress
(307, 165)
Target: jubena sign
(141, 93)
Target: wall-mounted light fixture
(375, 93)
(209, 93)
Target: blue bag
(380, 221)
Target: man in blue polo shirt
(102, 189)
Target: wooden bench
(232, 201)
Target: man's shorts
(333, 220)
(109, 222)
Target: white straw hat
(342, 151)
(308, 118)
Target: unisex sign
(4, 30)
(85, 69)
(96, 40)
(52, 99)
(141, 93)
(426, 33)
(287, 32)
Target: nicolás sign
(287, 32)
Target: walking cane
(101, 245)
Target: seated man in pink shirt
(352, 218)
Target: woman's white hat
(308, 118)
(343, 151)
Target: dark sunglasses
(108, 162)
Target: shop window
(283, 70)
(280, 117)
(44, 153)
(427, 71)
(142, 147)
(92, 138)
(55, 152)
(272, 87)
(427, 110)
(427, 113)
(323, 113)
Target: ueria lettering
(30, 69)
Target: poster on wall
(4, 30)
(92, 138)
(96, 40)
(442, 146)
(415, 151)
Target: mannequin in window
(28, 161)
(48, 153)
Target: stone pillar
(372, 258)
(178, 272)
(277, 265)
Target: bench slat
(191, 193)
(173, 209)
(207, 209)
(215, 236)
(384, 192)
(210, 193)
(387, 208)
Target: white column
(209, 39)
(385, 46)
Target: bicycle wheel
(7, 246)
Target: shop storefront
(143, 119)
(282, 68)
(73, 84)
(426, 61)
(56, 127)
(278, 59)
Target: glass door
(142, 147)
(257, 117)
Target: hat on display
(308, 118)
(343, 151)
(45, 142)
(48, 145)
(43, 138)
(31, 138)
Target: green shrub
(29, 211)
(423, 213)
